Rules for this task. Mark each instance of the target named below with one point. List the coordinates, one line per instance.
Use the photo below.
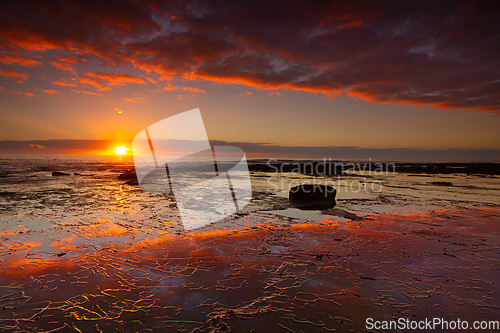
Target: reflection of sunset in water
(119, 198)
(92, 252)
(301, 276)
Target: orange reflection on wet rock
(301, 276)
(105, 229)
(64, 243)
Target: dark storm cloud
(443, 54)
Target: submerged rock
(442, 183)
(132, 182)
(342, 213)
(128, 175)
(59, 173)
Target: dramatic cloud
(65, 63)
(14, 75)
(99, 79)
(114, 79)
(13, 58)
(444, 54)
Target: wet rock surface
(326, 275)
(93, 254)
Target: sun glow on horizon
(121, 150)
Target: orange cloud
(63, 63)
(115, 79)
(103, 80)
(14, 74)
(86, 92)
(133, 99)
(90, 93)
(23, 93)
(193, 89)
(14, 59)
(365, 51)
(95, 83)
(49, 91)
(62, 83)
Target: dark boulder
(59, 173)
(315, 196)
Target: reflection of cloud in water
(296, 275)
(90, 253)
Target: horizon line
(264, 150)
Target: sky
(367, 76)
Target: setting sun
(121, 150)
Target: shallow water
(89, 253)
